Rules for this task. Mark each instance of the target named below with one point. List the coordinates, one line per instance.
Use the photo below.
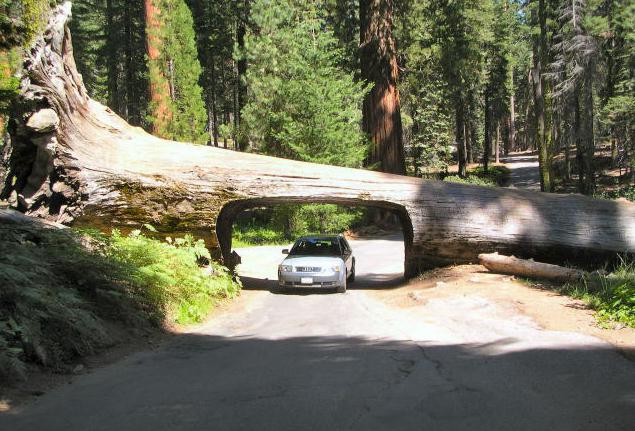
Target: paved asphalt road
(314, 361)
(525, 173)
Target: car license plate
(306, 280)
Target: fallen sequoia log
(512, 265)
(74, 161)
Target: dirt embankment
(549, 309)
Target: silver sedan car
(318, 261)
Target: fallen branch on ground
(528, 268)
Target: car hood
(321, 261)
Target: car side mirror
(285, 251)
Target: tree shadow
(335, 383)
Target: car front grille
(308, 269)
(298, 284)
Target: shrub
(474, 180)
(252, 234)
(283, 223)
(613, 295)
(495, 176)
(627, 192)
(168, 277)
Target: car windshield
(316, 247)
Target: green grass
(251, 235)
(62, 292)
(496, 176)
(612, 296)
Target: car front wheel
(351, 277)
(342, 288)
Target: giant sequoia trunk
(159, 84)
(75, 161)
(381, 114)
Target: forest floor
(538, 301)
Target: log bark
(95, 169)
(511, 265)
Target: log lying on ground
(85, 165)
(511, 265)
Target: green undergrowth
(612, 296)
(282, 224)
(496, 176)
(627, 192)
(170, 276)
(67, 294)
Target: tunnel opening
(381, 254)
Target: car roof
(332, 236)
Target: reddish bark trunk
(5, 72)
(382, 112)
(159, 85)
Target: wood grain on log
(96, 169)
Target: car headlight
(285, 268)
(336, 268)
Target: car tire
(351, 278)
(342, 288)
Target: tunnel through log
(74, 161)
(231, 210)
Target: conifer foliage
(300, 104)
(140, 58)
(452, 82)
(177, 111)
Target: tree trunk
(460, 139)
(468, 143)
(498, 140)
(564, 121)
(90, 168)
(132, 111)
(529, 135)
(5, 73)
(587, 138)
(539, 119)
(579, 145)
(213, 101)
(512, 117)
(241, 30)
(381, 110)
(488, 134)
(539, 62)
(473, 138)
(113, 61)
(159, 86)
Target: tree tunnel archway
(231, 210)
(85, 164)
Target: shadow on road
(335, 383)
(365, 282)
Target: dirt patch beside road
(549, 309)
